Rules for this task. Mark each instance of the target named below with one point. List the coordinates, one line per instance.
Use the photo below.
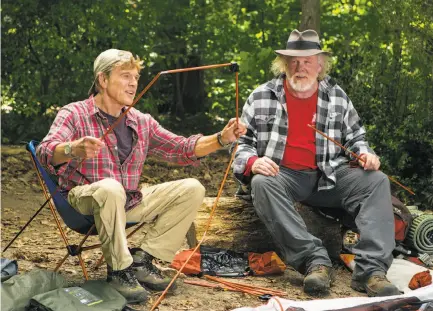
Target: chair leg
(83, 267)
(23, 228)
(61, 262)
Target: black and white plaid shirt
(265, 115)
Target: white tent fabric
(401, 272)
(424, 293)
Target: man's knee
(261, 183)
(109, 189)
(194, 188)
(377, 178)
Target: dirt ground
(41, 246)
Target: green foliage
(387, 72)
(383, 56)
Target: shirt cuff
(190, 154)
(46, 156)
(249, 165)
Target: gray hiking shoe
(125, 282)
(318, 280)
(375, 286)
(146, 273)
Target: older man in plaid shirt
(106, 184)
(285, 161)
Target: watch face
(68, 149)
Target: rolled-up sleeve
(172, 147)
(61, 130)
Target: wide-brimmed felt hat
(105, 60)
(302, 43)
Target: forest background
(382, 57)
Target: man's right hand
(87, 147)
(265, 166)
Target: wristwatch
(220, 141)
(68, 149)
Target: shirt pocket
(335, 125)
(264, 125)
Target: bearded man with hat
(106, 184)
(284, 161)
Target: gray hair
(280, 65)
(107, 60)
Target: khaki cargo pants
(171, 206)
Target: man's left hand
(371, 162)
(232, 131)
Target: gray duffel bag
(17, 291)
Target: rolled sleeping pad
(420, 234)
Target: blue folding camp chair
(83, 224)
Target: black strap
(303, 45)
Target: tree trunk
(193, 91)
(310, 15)
(179, 97)
(235, 226)
(189, 87)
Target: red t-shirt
(300, 153)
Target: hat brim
(301, 52)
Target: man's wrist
(220, 140)
(69, 150)
(73, 150)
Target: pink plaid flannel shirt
(83, 118)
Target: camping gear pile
(413, 236)
(226, 263)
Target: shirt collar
(92, 109)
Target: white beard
(301, 86)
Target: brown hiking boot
(375, 286)
(318, 280)
(127, 285)
(146, 273)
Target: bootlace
(380, 277)
(145, 263)
(152, 269)
(319, 269)
(127, 276)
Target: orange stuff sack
(348, 260)
(265, 264)
(420, 279)
(194, 264)
(402, 219)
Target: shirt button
(115, 148)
